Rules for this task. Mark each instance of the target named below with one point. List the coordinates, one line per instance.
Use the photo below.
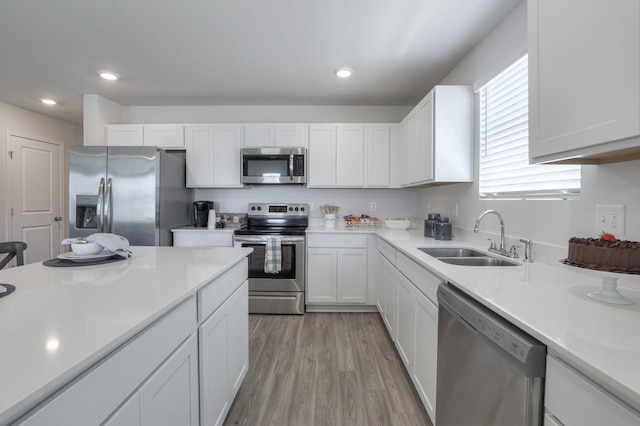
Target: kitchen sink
(451, 252)
(465, 256)
(477, 261)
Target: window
(504, 137)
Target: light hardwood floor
(324, 369)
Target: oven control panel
(278, 209)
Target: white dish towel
(273, 255)
(112, 242)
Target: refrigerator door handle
(100, 206)
(107, 207)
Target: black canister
(443, 229)
(430, 224)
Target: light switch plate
(610, 218)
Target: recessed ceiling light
(343, 72)
(48, 101)
(108, 75)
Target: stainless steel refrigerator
(136, 192)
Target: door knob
(57, 218)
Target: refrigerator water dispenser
(86, 211)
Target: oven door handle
(262, 240)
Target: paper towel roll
(211, 220)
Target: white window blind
(504, 137)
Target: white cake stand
(608, 293)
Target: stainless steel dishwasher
(489, 372)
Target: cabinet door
(406, 321)
(584, 62)
(387, 278)
(214, 395)
(258, 135)
(321, 275)
(350, 155)
(424, 372)
(292, 135)
(164, 136)
(238, 339)
(170, 397)
(199, 143)
(125, 135)
(420, 142)
(227, 161)
(377, 155)
(381, 294)
(352, 276)
(322, 156)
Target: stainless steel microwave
(274, 165)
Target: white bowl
(86, 248)
(397, 223)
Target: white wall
(548, 223)
(37, 126)
(389, 202)
(266, 114)
(97, 113)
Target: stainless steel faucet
(500, 250)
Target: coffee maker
(201, 213)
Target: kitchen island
(65, 327)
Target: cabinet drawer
(216, 292)
(387, 250)
(575, 400)
(337, 240)
(203, 238)
(423, 279)
(98, 392)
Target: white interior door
(35, 176)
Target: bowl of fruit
(397, 223)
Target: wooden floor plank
(324, 369)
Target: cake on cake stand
(608, 292)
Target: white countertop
(59, 321)
(549, 302)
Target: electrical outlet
(610, 218)
(372, 206)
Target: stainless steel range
(275, 231)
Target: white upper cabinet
(377, 142)
(125, 135)
(322, 155)
(213, 155)
(438, 138)
(258, 135)
(584, 84)
(166, 136)
(350, 155)
(292, 135)
(280, 135)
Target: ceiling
(235, 52)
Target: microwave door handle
(291, 167)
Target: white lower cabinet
(224, 356)
(387, 295)
(424, 373)
(337, 269)
(167, 374)
(169, 397)
(573, 399)
(407, 295)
